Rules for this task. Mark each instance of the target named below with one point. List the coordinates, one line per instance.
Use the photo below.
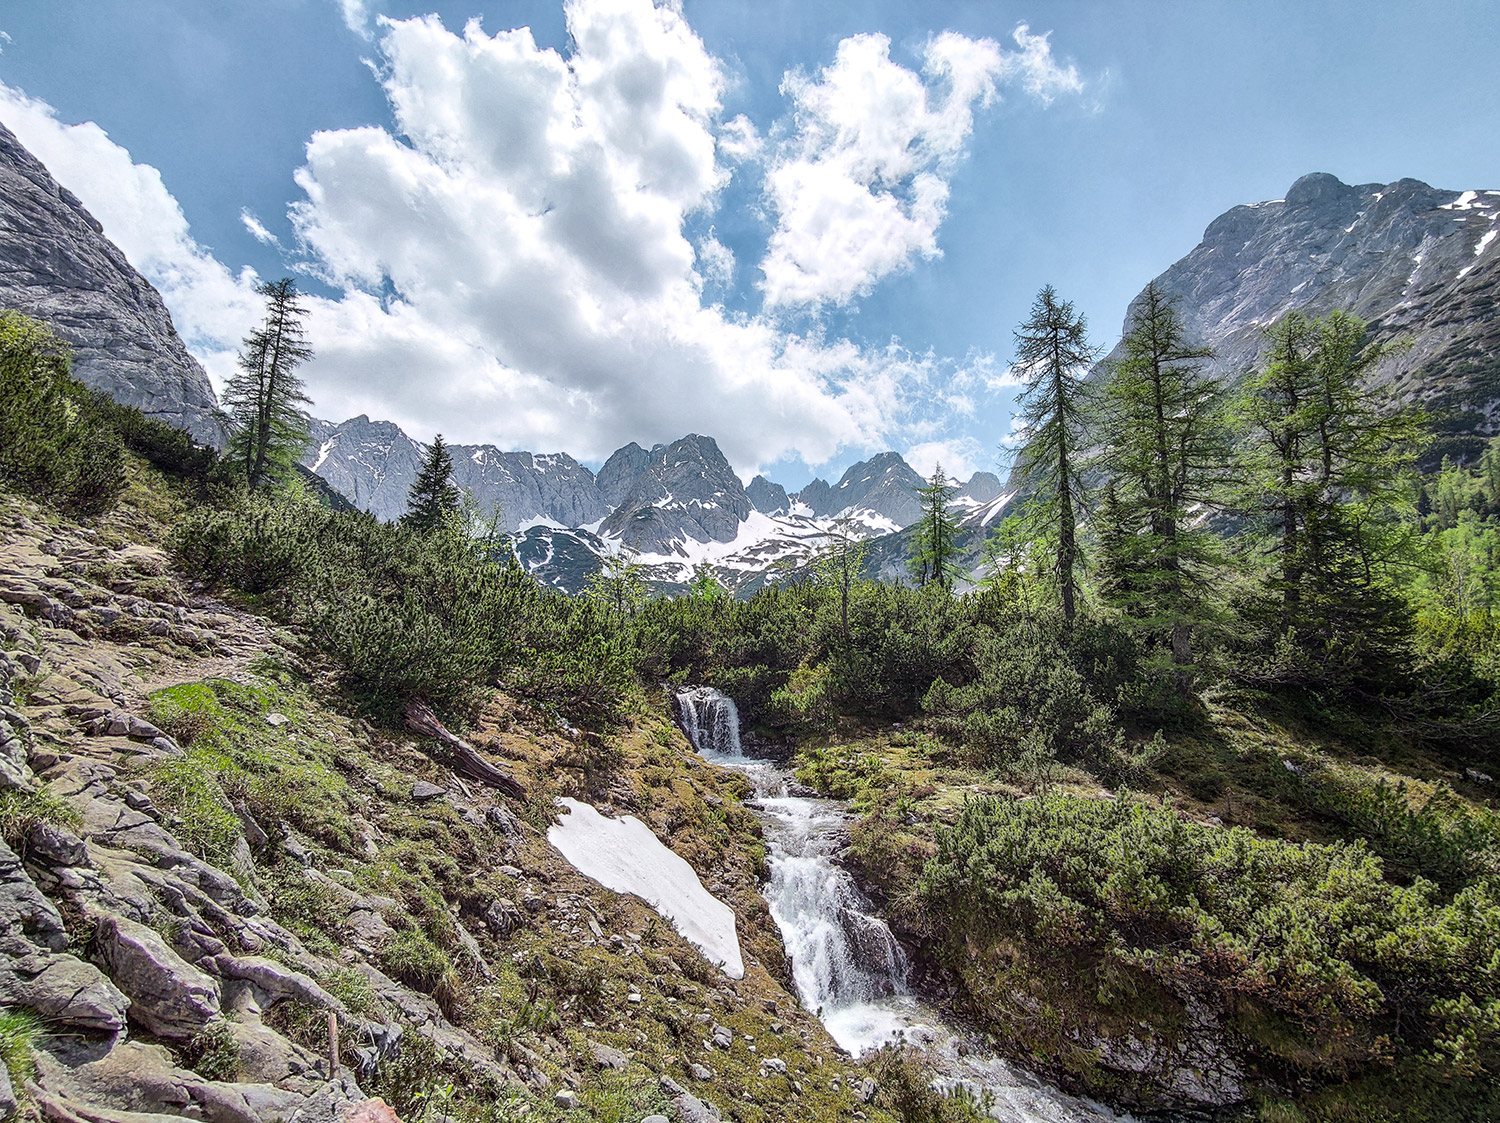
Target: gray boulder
(24, 912)
(64, 990)
(168, 996)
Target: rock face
(375, 462)
(686, 490)
(767, 497)
(883, 487)
(1416, 262)
(57, 265)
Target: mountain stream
(849, 969)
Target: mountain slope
(1418, 263)
(57, 265)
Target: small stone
(700, 1072)
(605, 1057)
(656, 1119)
(566, 1099)
(774, 1064)
(276, 721)
(723, 1037)
(511, 871)
(422, 791)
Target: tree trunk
(421, 719)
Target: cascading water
(848, 967)
(712, 721)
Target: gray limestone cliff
(374, 463)
(1418, 263)
(57, 265)
(884, 485)
(687, 490)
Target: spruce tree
(268, 429)
(935, 544)
(433, 495)
(1052, 356)
(1167, 450)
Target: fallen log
(421, 719)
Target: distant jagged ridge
(646, 497)
(57, 265)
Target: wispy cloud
(257, 228)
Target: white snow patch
(541, 520)
(1489, 236)
(323, 452)
(624, 855)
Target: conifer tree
(620, 583)
(1330, 484)
(268, 429)
(935, 545)
(433, 495)
(1167, 450)
(839, 563)
(1052, 356)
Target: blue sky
(806, 229)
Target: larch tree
(935, 544)
(1331, 486)
(839, 563)
(268, 429)
(1167, 450)
(433, 496)
(1052, 356)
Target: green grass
(19, 812)
(20, 1033)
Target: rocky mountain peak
(56, 265)
(686, 490)
(1418, 263)
(766, 496)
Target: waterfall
(711, 721)
(848, 968)
(842, 955)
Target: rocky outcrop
(1418, 263)
(619, 473)
(57, 265)
(767, 497)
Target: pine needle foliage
(1167, 450)
(434, 496)
(1330, 483)
(935, 546)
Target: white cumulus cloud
(861, 186)
(511, 261)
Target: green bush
(55, 439)
(1306, 952)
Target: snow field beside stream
(624, 855)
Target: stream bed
(848, 967)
